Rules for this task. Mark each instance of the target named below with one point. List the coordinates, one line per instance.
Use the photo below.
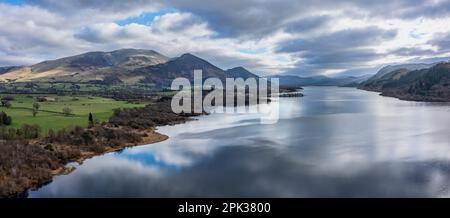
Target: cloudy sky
(300, 37)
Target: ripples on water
(334, 142)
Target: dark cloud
(314, 63)
(339, 50)
(411, 51)
(427, 9)
(442, 41)
(256, 18)
(73, 6)
(253, 17)
(306, 24)
(344, 39)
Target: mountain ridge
(87, 66)
(426, 84)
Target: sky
(296, 37)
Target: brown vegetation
(28, 160)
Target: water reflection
(333, 142)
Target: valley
(71, 109)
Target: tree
(91, 119)
(35, 109)
(5, 100)
(67, 111)
(5, 119)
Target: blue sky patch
(13, 2)
(253, 50)
(145, 18)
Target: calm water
(334, 142)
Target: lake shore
(151, 136)
(28, 164)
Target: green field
(50, 114)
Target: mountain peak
(193, 61)
(240, 72)
(189, 56)
(239, 68)
(133, 50)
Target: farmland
(50, 113)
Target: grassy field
(43, 87)
(50, 114)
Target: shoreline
(410, 98)
(153, 137)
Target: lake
(334, 142)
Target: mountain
(88, 66)
(427, 84)
(388, 73)
(6, 69)
(354, 81)
(120, 66)
(183, 66)
(240, 72)
(290, 80)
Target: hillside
(391, 72)
(183, 66)
(429, 84)
(86, 67)
(6, 69)
(240, 72)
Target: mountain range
(128, 66)
(87, 67)
(422, 82)
(132, 66)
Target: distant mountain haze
(292, 80)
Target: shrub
(35, 109)
(67, 111)
(41, 99)
(5, 119)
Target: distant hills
(292, 81)
(387, 73)
(132, 66)
(418, 82)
